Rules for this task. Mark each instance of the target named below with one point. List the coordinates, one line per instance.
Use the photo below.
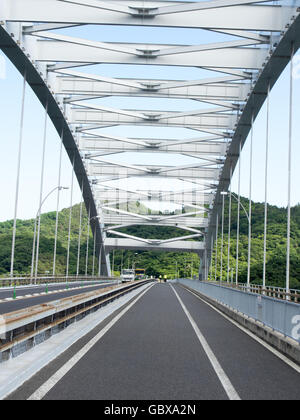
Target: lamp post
(241, 204)
(34, 236)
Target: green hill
(157, 263)
(276, 244)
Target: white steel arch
(259, 36)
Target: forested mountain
(157, 263)
(276, 244)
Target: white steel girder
(75, 82)
(232, 17)
(94, 169)
(196, 222)
(132, 244)
(229, 58)
(99, 146)
(81, 88)
(252, 31)
(121, 197)
(149, 118)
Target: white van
(127, 276)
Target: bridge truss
(238, 49)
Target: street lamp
(38, 236)
(224, 193)
(241, 204)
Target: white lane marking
(225, 381)
(51, 292)
(259, 340)
(48, 385)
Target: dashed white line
(225, 381)
(50, 292)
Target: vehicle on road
(127, 275)
(140, 274)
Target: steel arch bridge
(259, 40)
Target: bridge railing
(281, 315)
(271, 291)
(26, 328)
(29, 281)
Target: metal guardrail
(29, 281)
(281, 315)
(22, 330)
(271, 291)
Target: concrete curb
(285, 345)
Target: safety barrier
(22, 330)
(276, 292)
(29, 281)
(282, 316)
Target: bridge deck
(153, 353)
(31, 296)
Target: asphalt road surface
(169, 345)
(26, 299)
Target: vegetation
(157, 263)
(276, 245)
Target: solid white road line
(48, 385)
(225, 381)
(259, 340)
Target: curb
(285, 345)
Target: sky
(10, 108)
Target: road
(168, 345)
(30, 296)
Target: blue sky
(10, 105)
